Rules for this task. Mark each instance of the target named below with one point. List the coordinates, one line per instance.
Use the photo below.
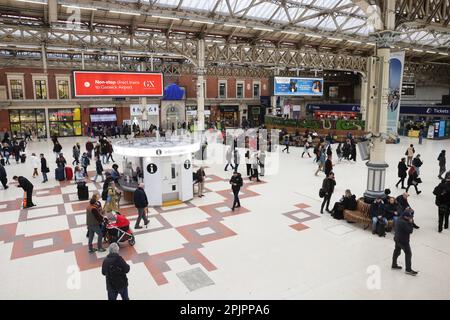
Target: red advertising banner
(117, 84)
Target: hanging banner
(295, 86)
(396, 63)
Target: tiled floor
(276, 246)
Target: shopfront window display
(24, 121)
(65, 122)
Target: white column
(200, 79)
(44, 58)
(363, 100)
(82, 60)
(47, 123)
(273, 99)
(118, 60)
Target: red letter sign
(117, 84)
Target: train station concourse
(224, 150)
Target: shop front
(144, 115)
(191, 115)
(229, 116)
(173, 114)
(65, 122)
(24, 120)
(415, 118)
(103, 116)
(256, 115)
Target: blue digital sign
(441, 128)
(291, 86)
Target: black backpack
(117, 277)
(381, 229)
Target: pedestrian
(27, 186)
(402, 172)
(442, 193)
(110, 151)
(104, 151)
(247, 163)
(321, 162)
(236, 184)
(35, 164)
(327, 190)
(442, 163)
(306, 149)
(44, 168)
(6, 153)
(410, 154)
(286, 144)
(201, 181)
(16, 151)
(353, 151)
(76, 155)
(61, 161)
(57, 149)
(417, 163)
(89, 148)
(237, 158)
(420, 136)
(403, 231)
(98, 170)
(328, 167)
(413, 179)
(3, 177)
(94, 220)
(262, 162)
(79, 175)
(403, 204)
(113, 198)
(115, 269)
(141, 203)
(339, 151)
(254, 162)
(85, 162)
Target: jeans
(109, 156)
(228, 164)
(408, 254)
(236, 199)
(112, 294)
(441, 171)
(76, 161)
(249, 169)
(375, 221)
(402, 181)
(200, 188)
(91, 231)
(141, 215)
(104, 158)
(44, 175)
(444, 212)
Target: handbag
(321, 193)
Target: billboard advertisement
(292, 86)
(117, 84)
(395, 85)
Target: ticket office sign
(117, 84)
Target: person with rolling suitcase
(69, 173)
(60, 174)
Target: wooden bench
(362, 216)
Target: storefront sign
(103, 110)
(284, 86)
(334, 107)
(229, 108)
(426, 110)
(296, 108)
(136, 109)
(117, 84)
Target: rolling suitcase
(59, 174)
(83, 192)
(69, 173)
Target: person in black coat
(44, 169)
(376, 212)
(114, 268)
(403, 231)
(3, 177)
(403, 204)
(27, 186)
(236, 184)
(328, 188)
(328, 165)
(402, 170)
(413, 179)
(141, 203)
(442, 163)
(442, 193)
(347, 202)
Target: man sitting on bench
(377, 214)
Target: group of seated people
(382, 210)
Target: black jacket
(349, 203)
(389, 210)
(328, 167)
(98, 167)
(417, 162)
(57, 148)
(2, 172)
(403, 230)
(441, 159)
(442, 193)
(402, 169)
(413, 177)
(236, 182)
(376, 209)
(402, 202)
(140, 198)
(43, 165)
(114, 259)
(25, 184)
(328, 186)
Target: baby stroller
(119, 231)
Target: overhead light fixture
(312, 35)
(290, 32)
(234, 25)
(334, 39)
(125, 12)
(162, 17)
(78, 7)
(33, 1)
(418, 50)
(432, 52)
(370, 43)
(443, 53)
(199, 21)
(354, 41)
(262, 29)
